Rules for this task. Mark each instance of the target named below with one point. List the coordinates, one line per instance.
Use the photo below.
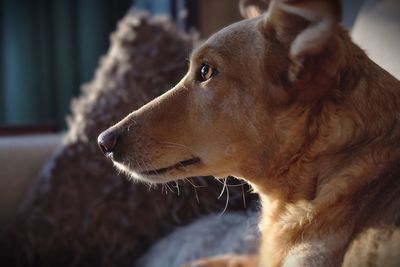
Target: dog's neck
(298, 216)
(316, 188)
(308, 181)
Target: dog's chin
(136, 176)
(163, 175)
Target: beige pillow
(377, 30)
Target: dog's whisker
(177, 187)
(193, 184)
(149, 187)
(244, 197)
(223, 188)
(146, 168)
(182, 166)
(166, 188)
(163, 188)
(196, 195)
(169, 187)
(177, 145)
(137, 161)
(227, 196)
(194, 187)
(231, 185)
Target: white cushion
(377, 31)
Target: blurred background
(48, 48)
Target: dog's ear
(304, 26)
(253, 8)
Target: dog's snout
(107, 142)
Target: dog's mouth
(180, 165)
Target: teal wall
(155, 6)
(47, 49)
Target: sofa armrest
(21, 160)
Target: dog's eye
(206, 72)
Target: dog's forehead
(238, 38)
(245, 29)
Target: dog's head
(243, 99)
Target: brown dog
(287, 102)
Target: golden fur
(300, 112)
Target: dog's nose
(107, 142)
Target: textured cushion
(82, 213)
(209, 236)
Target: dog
(287, 102)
